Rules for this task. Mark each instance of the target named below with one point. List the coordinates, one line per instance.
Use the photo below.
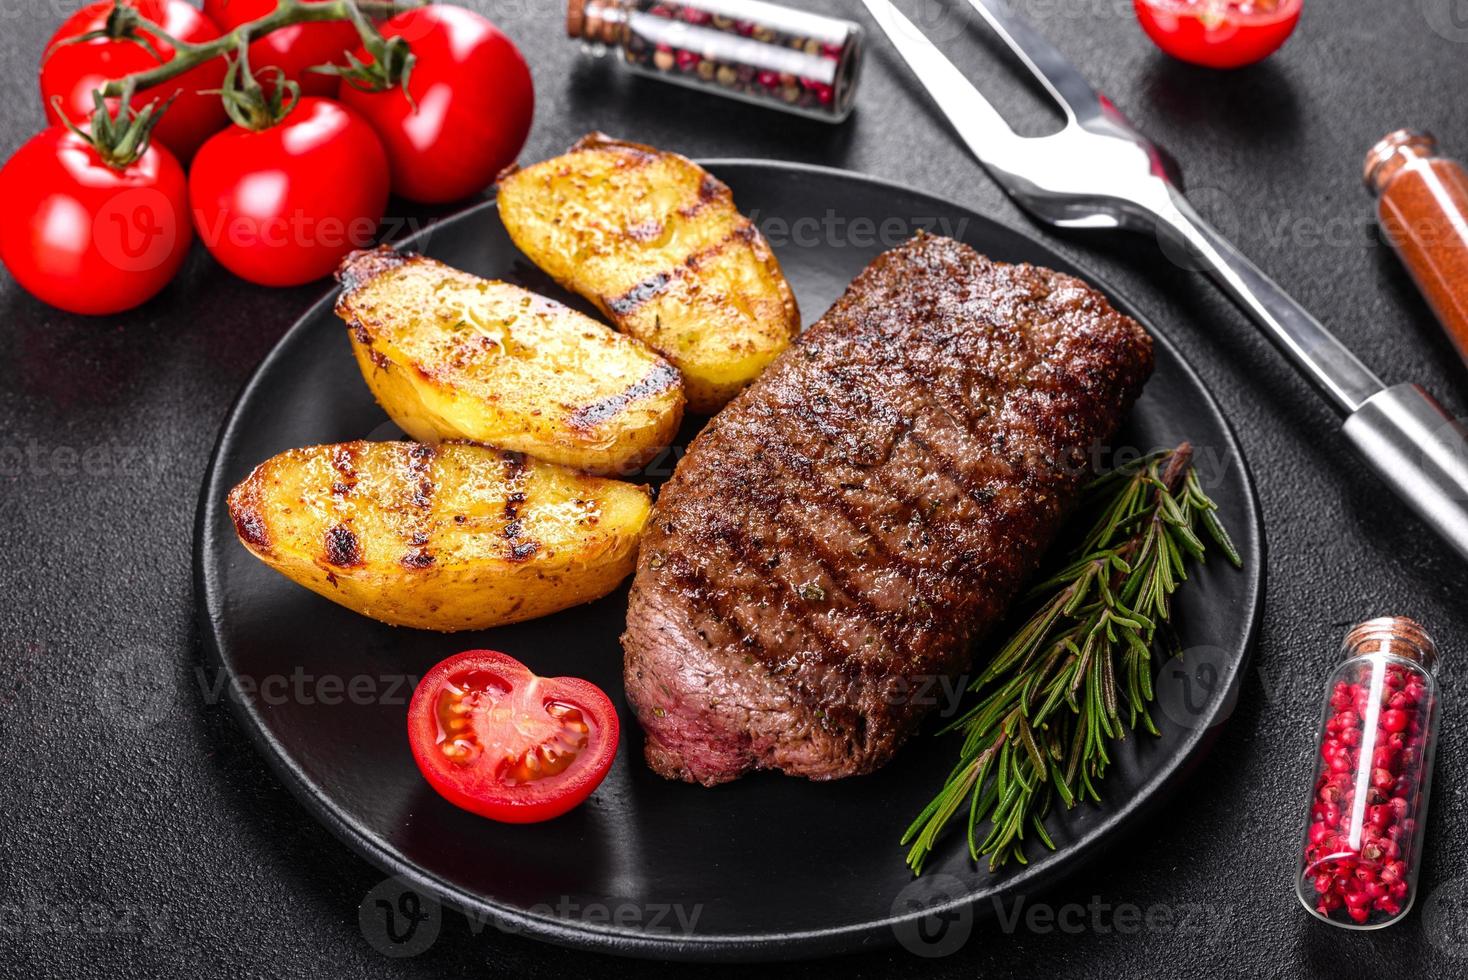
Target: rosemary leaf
(1048, 706)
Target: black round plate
(765, 867)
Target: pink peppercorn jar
(750, 50)
(1368, 806)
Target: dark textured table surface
(140, 833)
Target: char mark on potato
(343, 550)
(420, 474)
(362, 266)
(250, 525)
(640, 294)
(659, 379)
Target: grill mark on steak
(725, 609)
(791, 602)
(791, 599)
(830, 568)
(805, 469)
(904, 563)
(908, 459)
(926, 589)
(922, 387)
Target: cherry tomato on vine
(73, 70)
(88, 237)
(495, 739)
(292, 49)
(468, 109)
(1219, 33)
(281, 206)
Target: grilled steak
(840, 535)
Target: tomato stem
(123, 23)
(187, 55)
(122, 137)
(391, 64)
(247, 102)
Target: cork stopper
(1393, 152)
(1395, 635)
(597, 21)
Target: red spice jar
(1368, 807)
(749, 50)
(1422, 208)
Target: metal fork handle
(1401, 432)
(1421, 453)
(1312, 348)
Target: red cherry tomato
(495, 739)
(72, 71)
(283, 205)
(472, 102)
(1218, 33)
(292, 49)
(84, 236)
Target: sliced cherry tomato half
(492, 737)
(1219, 33)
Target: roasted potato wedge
(656, 243)
(452, 356)
(452, 537)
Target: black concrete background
(139, 833)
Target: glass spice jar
(1422, 209)
(1368, 806)
(745, 49)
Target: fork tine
(1060, 78)
(977, 121)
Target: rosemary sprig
(1077, 675)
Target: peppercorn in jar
(1363, 836)
(745, 49)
